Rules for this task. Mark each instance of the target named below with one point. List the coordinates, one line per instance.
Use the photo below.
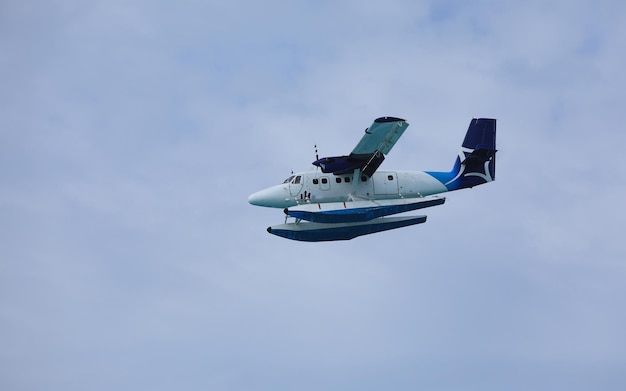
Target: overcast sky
(132, 133)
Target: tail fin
(476, 162)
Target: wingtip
(389, 119)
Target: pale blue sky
(132, 132)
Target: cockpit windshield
(294, 179)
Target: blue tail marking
(476, 162)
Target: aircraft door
(324, 183)
(385, 183)
(295, 186)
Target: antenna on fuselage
(316, 157)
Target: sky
(132, 133)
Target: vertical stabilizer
(476, 162)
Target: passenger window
(338, 180)
(324, 180)
(316, 181)
(390, 177)
(364, 178)
(346, 179)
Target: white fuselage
(317, 187)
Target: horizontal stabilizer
(358, 211)
(319, 232)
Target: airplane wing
(381, 136)
(370, 152)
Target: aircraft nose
(256, 198)
(273, 197)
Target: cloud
(132, 133)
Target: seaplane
(345, 197)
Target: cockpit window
(288, 179)
(297, 180)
